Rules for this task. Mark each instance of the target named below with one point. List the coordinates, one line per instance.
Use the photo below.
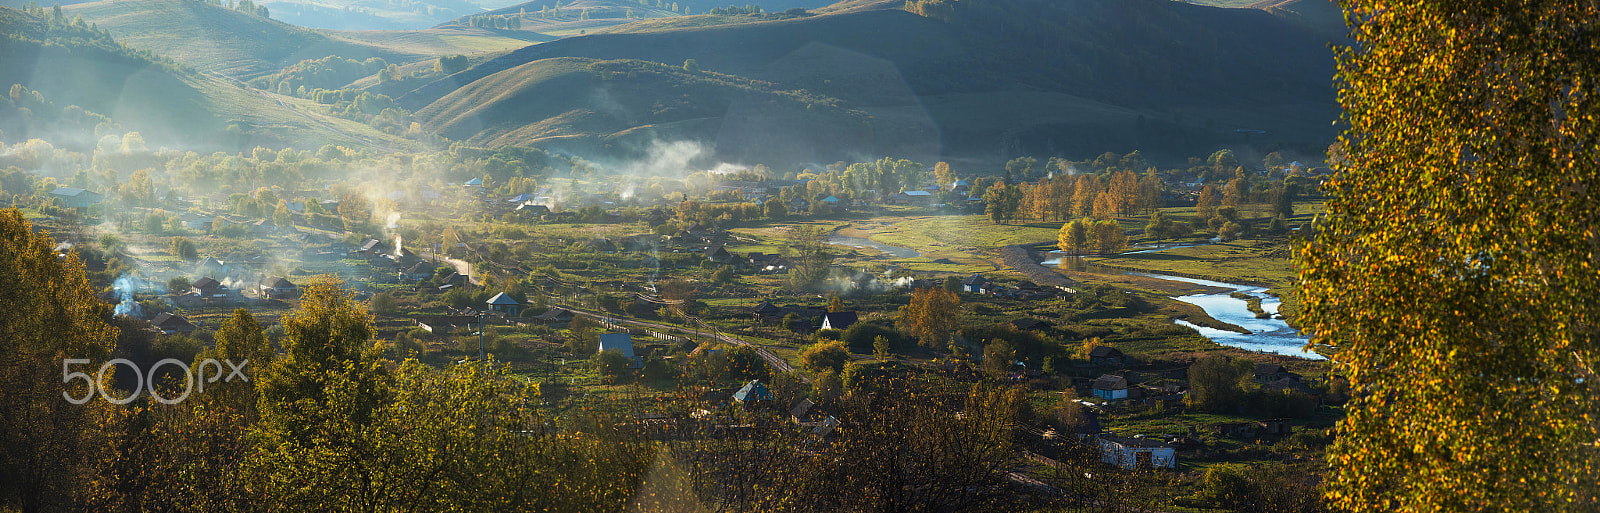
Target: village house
(719, 254)
(1135, 453)
(504, 304)
(72, 197)
(417, 272)
(1108, 356)
(752, 392)
(555, 316)
(169, 323)
(1270, 372)
(621, 343)
(838, 320)
(1110, 387)
(208, 287)
(976, 284)
(277, 287)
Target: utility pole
(480, 337)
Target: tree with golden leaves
(1457, 271)
(51, 314)
(933, 314)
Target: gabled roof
(959, 183)
(474, 181)
(1110, 382)
(420, 268)
(840, 320)
(830, 199)
(502, 299)
(369, 244)
(753, 391)
(1104, 352)
(169, 322)
(801, 409)
(278, 282)
(1269, 368)
(205, 283)
(767, 308)
(619, 342)
(976, 279)
(554, 313)
(918, 193)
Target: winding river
(1270, 335)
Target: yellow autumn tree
(934, 313)
(1457, 269)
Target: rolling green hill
(217, 39)
(987, 80)
(135, 91)
(620, 107)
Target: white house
(1132, 453)
(1110, 387)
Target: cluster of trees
(330, 73)
(1091, 236)
(501, 21)
(734, 10)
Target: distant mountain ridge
(998, 78)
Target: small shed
(504, 303)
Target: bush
(612, 366)
(825, 356)
(383, 303)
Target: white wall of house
(1128, 457)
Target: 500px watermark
(67, 375)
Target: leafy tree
(1073, 236)
(952, 284)
(51, 313)
(1215, 383)
(826, 356)
(179, 284)
(1107, 237)
(184, 249)
(691, 65)
(881, 347)
(383, 303)
(998, 357)
(1207, 205)
(775, 210)
(1455, 270)
(319, 400)
(611, 365)
(931, 317)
